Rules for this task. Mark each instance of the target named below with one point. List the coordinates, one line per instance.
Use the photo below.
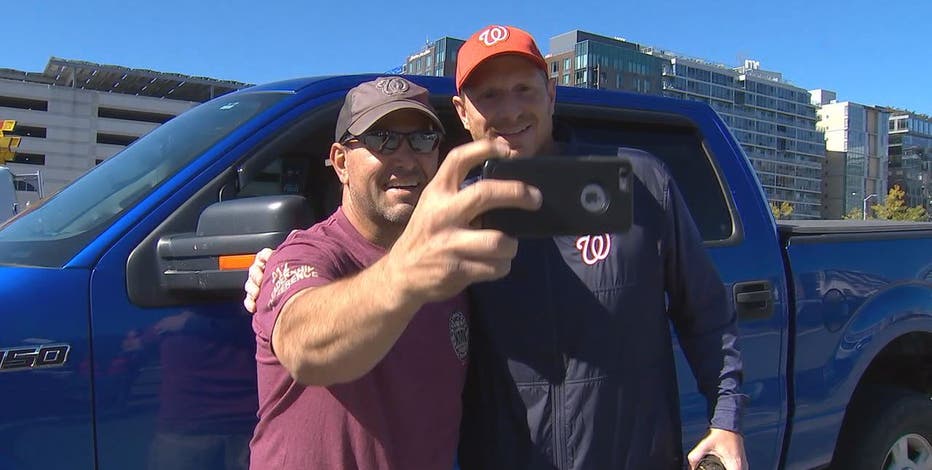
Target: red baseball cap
(491, 41)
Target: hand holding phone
(710, 462)
(582, 195)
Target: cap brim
(370, 117)
(537, 60)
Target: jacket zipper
(557, 392)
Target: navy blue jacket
(572, 364)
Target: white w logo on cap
(392, 86)
(493, 35)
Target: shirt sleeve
(705, 323)
(301, 262)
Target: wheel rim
(910, 452)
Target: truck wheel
(888, 429)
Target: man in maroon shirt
(361, 327)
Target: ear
(338, 161)
(552, 94)
(460, 104)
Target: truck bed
(849, 227)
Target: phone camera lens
(594, 199)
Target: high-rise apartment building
(438, 58)
(587, 60)
(856, 142)
(911, 156)
(773, 120)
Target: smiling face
(380, 189)
(509, 99)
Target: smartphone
(582, 195)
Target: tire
(886, 429)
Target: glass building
(856, 143)
(587, 60)
(773, 120)
(438, 59)
(911, 156)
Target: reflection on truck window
(90, 204)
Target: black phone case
(573, 204)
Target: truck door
(174, 372)
(44, 364)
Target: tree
(853, 214)
(782, 211)
(894, 208)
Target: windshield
(53, 232)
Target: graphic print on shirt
(459, 335)
(285, 276)
(594, 248)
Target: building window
(554, 68)
(28, 131)
(115, 139)
(28, 158)
(23, 103)
(582, 61)
(581, 77)
(566, 79)
(127, 115)
(567, 63)
(21, 185)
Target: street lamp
(864, 207)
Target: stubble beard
(379, 211)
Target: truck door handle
(753, 300)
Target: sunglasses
(387, 142)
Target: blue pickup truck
(123, 343)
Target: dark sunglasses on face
(387, 142)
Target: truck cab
(123, 340)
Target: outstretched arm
(338, 331)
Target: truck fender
(889, 314)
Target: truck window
(301, 165)
(53, 232)
(680, 147)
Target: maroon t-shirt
(403, 414)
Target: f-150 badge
(33, 357)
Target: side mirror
(215, 258)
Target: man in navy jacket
(572, 364)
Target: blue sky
(865, 50)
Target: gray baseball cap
(370, 101)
